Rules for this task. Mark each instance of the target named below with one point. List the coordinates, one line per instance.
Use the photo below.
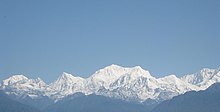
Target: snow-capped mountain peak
(138, 71)
(21, 86)
(13, 79)
(172, 80)
(106, 76)
(113, 66)
(65, 85)
(110, 71)
(21, 80)
(202, 75)
(204, 78)
(65, 77)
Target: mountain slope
(133, 85)
(9, 105)
(95, 103)
(203, 101)
(204, 78)
(171, 86)
(65, 85)
(21, 86)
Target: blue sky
(44, 38)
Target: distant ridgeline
(113, 89)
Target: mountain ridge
(9, 105)
(114, 81)
(193, 101)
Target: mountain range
(202, 101)
(133, 84)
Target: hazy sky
(43, 38)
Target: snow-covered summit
(104, 77)
(176, 85)
(67, 78)
(20, 85)
(13, 79)
(204, 78)
(65, 85)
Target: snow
(110, 74)
(204, 78)
(127, 83)
(13, 79)
(65, 85)
(21, 86)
